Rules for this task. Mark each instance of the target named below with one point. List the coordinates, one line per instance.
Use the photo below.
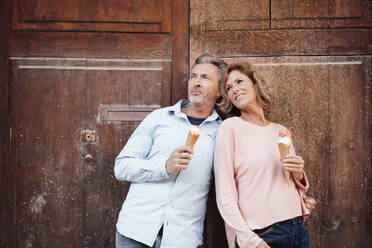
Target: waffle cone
(284, 151)
(191, 139)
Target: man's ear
(219, 98)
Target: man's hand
(178, 160)
(310, 203)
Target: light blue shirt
(178, 201)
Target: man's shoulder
(158, 116)
(160, 112)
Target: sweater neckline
(252, 124)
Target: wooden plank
(367, 153)
(46, 148)
(90, 45)
(321, 14)
(224, 15)
(114, 16)
(4, 125)
(347, 158)
(284, 42)
(122, 113)
(180, 21)
(139, 91)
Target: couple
(166, 202)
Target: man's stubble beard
(198, 101)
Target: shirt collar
(176, 110)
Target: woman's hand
(263, 245)
(294, 164)
(310, 203)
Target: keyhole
(89, 136)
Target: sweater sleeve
(226, 192)
(302, 187)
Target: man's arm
(132, 164)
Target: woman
(259, 207)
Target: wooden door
(317, 54)
(83, 75)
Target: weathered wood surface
(328, 106)
(324, 99)
(99, 16)
(271, 28)
(63, 184)
(129, 56)
(4, 122)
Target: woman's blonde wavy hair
(264, 94)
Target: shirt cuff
(303, 184)
(163, 170)
(253, 242)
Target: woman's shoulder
(229, 122)
(278, 126)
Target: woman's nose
(235, 89)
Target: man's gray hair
(208, 59)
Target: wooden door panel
(318, 9)
(279, 28)
(120, 16)
(99, 67)
(104, 194)
(72, 184)
(46, 164)
(134, 85)
(224, 15)
(324, 101)
(4, 124)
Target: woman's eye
(228, 88)
(239, 81)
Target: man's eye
(228, 88)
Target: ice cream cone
(193, 136)
(284, 145)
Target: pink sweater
(251, 189)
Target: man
(166, 202)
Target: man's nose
(196, 82)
